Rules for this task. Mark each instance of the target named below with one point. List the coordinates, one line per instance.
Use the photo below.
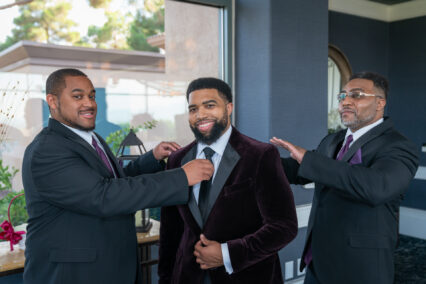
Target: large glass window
(140, 56)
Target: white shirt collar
(218, 146)
(85, 135)
(357, 134)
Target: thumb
(204, 240)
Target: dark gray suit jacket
(81, 222)
(353, 225)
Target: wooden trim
(342, 63)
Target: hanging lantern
(131, 140)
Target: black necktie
(203, 197)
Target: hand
(198, 170)
(164, 149)
(208, 253)
(296, 152)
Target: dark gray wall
(364, 41)
(281, 72)
(407, 100)
(281, 78)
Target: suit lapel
(114, 161)
(58, 127)
(227, 163)
(332, 147)
(192, 203)
(371, 134)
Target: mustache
(346, 109)
(87, 109)
(204, 120)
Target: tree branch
(17, 3)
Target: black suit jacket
(251, 209)
(81, 222)
(353, 225)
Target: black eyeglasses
(354, 95)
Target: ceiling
(382, 10)
(390, 2)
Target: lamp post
(131, 140)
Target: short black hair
(55, 83)
(379, 81)
(210, 83)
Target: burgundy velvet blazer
(252, 210)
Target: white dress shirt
(219, 147)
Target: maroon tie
(345, 148)
(102, 155)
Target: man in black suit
(80, 201)
(360, 175)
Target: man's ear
(381, 104)
(229, 108)
(52, 101)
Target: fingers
(171, 146)
(281, 143)
(198, 170)
(164, 149)
(204, 240)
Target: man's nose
(89, 102)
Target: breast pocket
(245, 186)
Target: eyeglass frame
(362, 94)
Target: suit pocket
(72, 255)
(240, 187)
(369, 241)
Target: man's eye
(77, 96)
(191, 110)
(210, 105)
(356, 95)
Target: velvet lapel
(371, 134)
(227, 163)
(57, 127)
(192, 203)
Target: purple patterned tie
(102, 155)
(345, 148)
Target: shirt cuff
(226, 258)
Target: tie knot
(208, 152)
(349, 139)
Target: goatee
(215, 132)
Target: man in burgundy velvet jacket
(234, 225)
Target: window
(137, 80)
(339, 72)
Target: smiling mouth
(87, 114)
(205, 125)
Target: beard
(357, 122)
(214, 134)
(72, 123)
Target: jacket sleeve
(145, 164)
(65, 179)
(291, 168)
(276, 205)
(383, 179)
